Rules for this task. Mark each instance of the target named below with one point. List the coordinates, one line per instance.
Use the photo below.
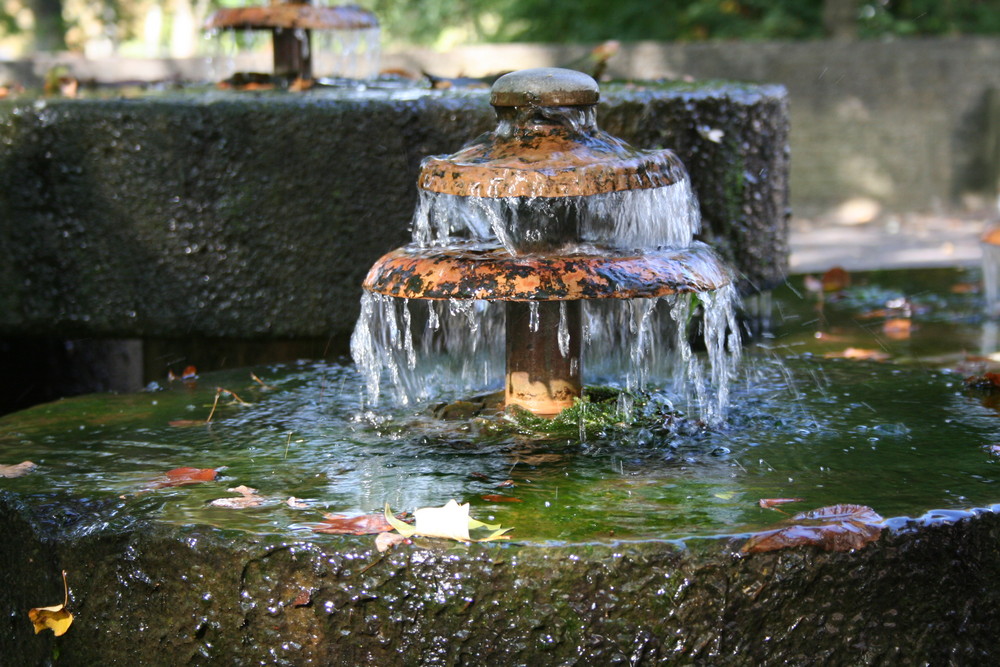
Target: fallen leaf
(386, 541)
(303, 599)
(898, 328)
(54, 618)
(17, 470)
(365, 524)
(833, 528)
(184, 423)
(858, 354)
(183, 476)
(452, 521)
(836, 279)
(189, 373)
(494, 498)
(966, 288)
(506, 483)
(772, 503)
(248, 498)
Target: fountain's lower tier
(629, 525)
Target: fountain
(543, 214)
(629, 541)
(307, 41)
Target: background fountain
(546, 213)
(307, 41)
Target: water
(904, 436)
(415, 351)
(336, 54)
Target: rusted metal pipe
(544, 373)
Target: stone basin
(626, 547)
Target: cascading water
(567, 242)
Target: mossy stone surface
(923, 594)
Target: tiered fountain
(307, 40)
(545, 213)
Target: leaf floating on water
(494, 498)
(183, 476)
(966, 288)
(833, 528)
(858, 354)
(54, 618)
(365, 524)
(248, 498)
(386, 541)
(897, 328)
(185, 423)
(17, 470)
(452, 522)
(772, 503)
(836, 280)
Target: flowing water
(903, 435)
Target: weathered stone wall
(908, 124)
(925, 593)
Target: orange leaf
(836, 279)
(897, 328)
(833, 528)
(365, 524)
(189, 372)
(494, 498)
(184, 476)
(858, 354)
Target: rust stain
(496, 275)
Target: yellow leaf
(403, 528)
(54, 618)
(450, 522)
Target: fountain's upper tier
(547, 144)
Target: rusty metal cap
(293, 16)
(544, 87)
(493, 274)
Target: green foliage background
(684, 20)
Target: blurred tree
(50, 29)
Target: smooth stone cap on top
(544, 87)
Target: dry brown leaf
(833, 528)
(248, 498)
(386, 541)
(772, 503)
(858, 354)
(365, 524)
(494, 498)
(17, 470)
(897, 328)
